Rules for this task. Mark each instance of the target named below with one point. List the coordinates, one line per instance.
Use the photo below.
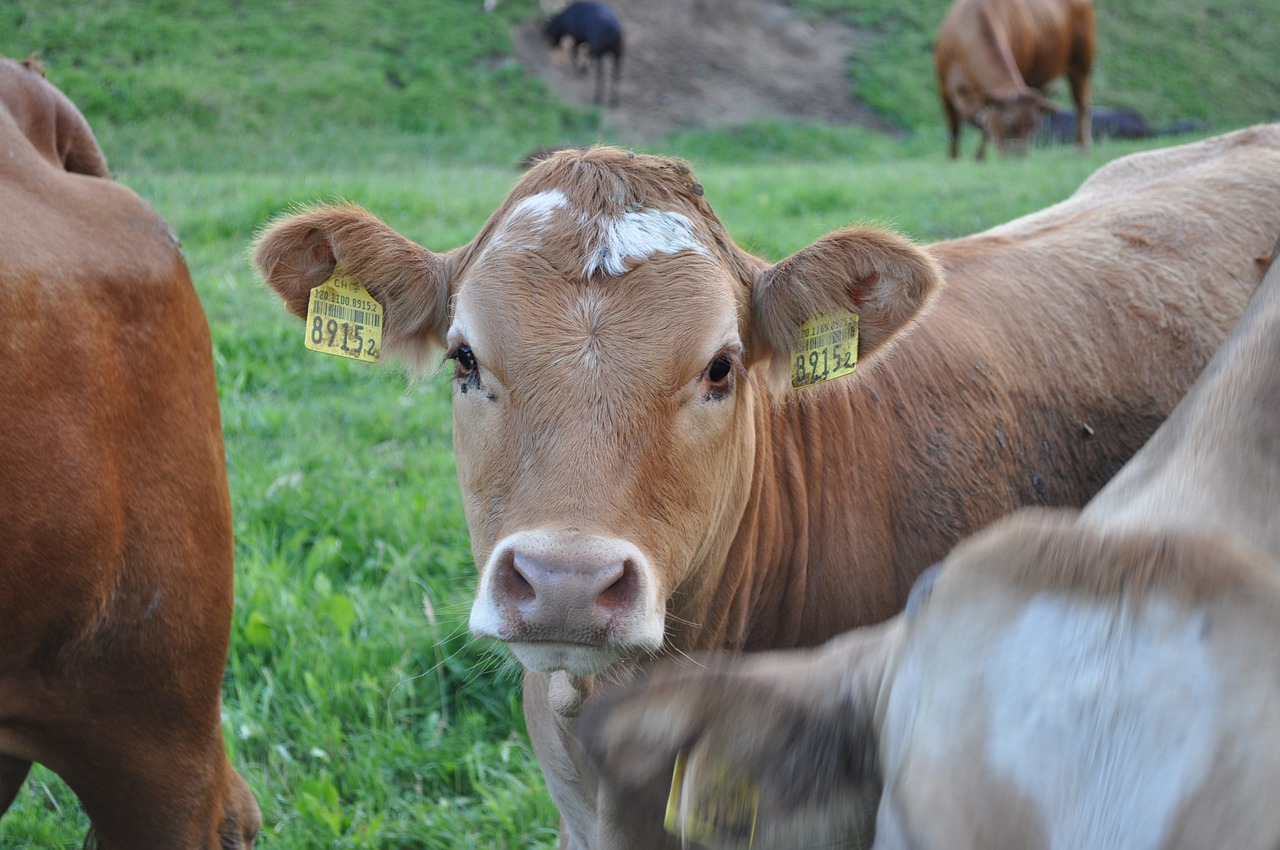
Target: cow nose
(576, 597)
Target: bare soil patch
(711, 63)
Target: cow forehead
(550, 278)
(607, 244)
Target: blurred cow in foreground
(115, 522)
(995, 57)
(1108, 678)
(648, 464)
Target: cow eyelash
(466, 368)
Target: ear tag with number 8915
(828, 349)
(343, 319)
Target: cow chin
(576, 659)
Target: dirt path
(711, 63)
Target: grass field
(355, 704)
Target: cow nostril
(621, 592)
(513, 584)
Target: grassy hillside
(181, 85)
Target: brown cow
(1109, 678)
(115, 521)
(994, 58)
(639, 480)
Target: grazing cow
(639, 479)
(115, 521)
(1107, 679)
(1060, 127)
(597, 27)
(994, 58)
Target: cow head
(48, 118)
(1044, 684)
(1009, 119)
(611, 351)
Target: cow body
(115, 524)
(596, 27)
(1107, 678)
(637, 479)
(995, 57)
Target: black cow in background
(596, 26)
(1059, 127)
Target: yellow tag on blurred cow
(720, 809)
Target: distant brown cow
(1104, 679)
(994, 58)
(638, 475)
(115, 523)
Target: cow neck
(807, 533)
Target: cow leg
(13, 772)
(1080, 93)
(599, 57)
(953, 126)
(617, 74)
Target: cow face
(1009, 120)
(611, 353)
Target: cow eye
(465, 367)
(717, 379)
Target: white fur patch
(638, 235)
(539, 207)
(1106, 721)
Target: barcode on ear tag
(343, 319)
(828, 349)
(720, 809)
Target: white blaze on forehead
(637, 235)
(534, 214)
(1106, 720)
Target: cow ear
(883, 277)
(297, 253)
(787, 737)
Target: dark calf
(596, 26)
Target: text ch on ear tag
(828, 349)
(343, 319)
(719, 811)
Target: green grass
(355, 704)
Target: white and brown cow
(115, 522)
(639, 478)
(994, 58)
(1107, 678)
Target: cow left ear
(883, 277)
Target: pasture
(355, 704)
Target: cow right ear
(297, 253)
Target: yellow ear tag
(343, 319)
(828, 349)
(720, 810)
